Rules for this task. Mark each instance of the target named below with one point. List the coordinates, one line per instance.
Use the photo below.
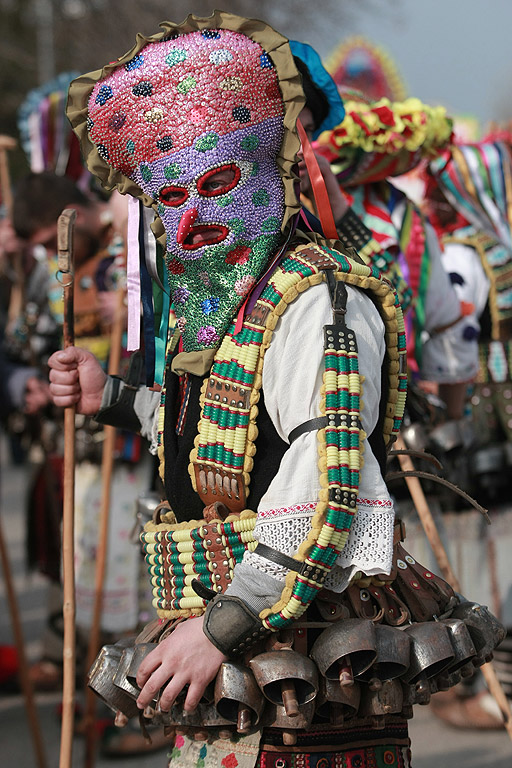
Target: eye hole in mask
(218, 181)
(173, 196)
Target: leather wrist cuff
(120, 413)
(352, 232)
(231, 626)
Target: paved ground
(434, 745)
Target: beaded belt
(206, 551)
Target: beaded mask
(196, 121)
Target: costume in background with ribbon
(274, 418)
(375, 142)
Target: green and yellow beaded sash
(223, 456)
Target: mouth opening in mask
(204, 234)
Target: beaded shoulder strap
(223, 456)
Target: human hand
(339, 203)
(37, 395)
(76, 378)
(186, 657)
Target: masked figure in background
(377, 141)
(467, 197)
(277, 564)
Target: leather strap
(323, 204)
(352, 232)
(304, 569)
(338, 294)
(307, 426)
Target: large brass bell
(485, 629)
(287, 678)
(101, 680)
(336, 702)
(431, 650)
(346, 645)
(393, 654)
(237, 696)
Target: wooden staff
(430, 528)
(107, 464)
(65, 263)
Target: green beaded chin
(214, 288)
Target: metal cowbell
(120, 677)
(342, 701)
(286, 678)
(101, 681)
(431, 650)
(140, 651)
(485, 629)
(393, 654)
(276, 717)
(378, 702)
(352, 638)
(237, 696)
(462, 644)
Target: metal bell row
(366, 670)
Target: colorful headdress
(46, 137)
(359, 64)
(385, 139)
(477, 180)
(217, 95)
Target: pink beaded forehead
(176, 93)
(189, 84)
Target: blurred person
(467, 200)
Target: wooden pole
(25, 682)
(65, 263)
(6, 143)
(107, 465)
(430, 528)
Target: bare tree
(38, 36)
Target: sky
(452, 52)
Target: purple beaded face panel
(197, 123)
(249, 203)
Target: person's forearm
(454, 396)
